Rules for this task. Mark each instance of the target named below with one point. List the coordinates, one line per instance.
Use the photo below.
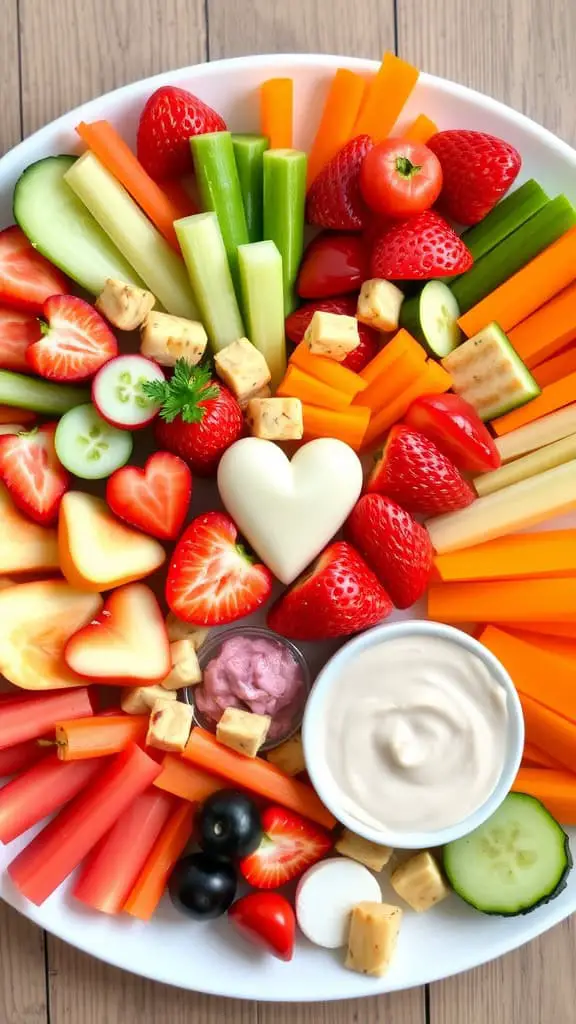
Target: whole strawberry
(422, 247)
(170, 117)
(394, 545)
(339, 595)
(334, 200)
(298, 321)
(199, 418)
(413, 471)
(478, 169)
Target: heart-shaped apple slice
(289, 510)
(126, 643)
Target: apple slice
(36, 622)
(24, 546)
(97, 552)
(127, 643)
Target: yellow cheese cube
(275, 419)
(170, 725)
(242, 731)
(370, 854)
(332, 334)
(185, 669)
(177, 629)
(166, 338)
(243, 369)
(379, 304)
(139, 700)
(124, 305)
(372, 938)
(419, 882)
(289, 756)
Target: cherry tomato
(267, 919)
(333, 264)
(400, 178)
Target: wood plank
(396, 1008)
(9, 76)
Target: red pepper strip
(456, 429)
(149, 887)
(18, 758)
(40, 791)
(54, 853)
(32, 717)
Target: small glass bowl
(211, 649)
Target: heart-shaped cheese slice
(289, 510)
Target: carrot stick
(256, 775)
(276, 103)
(527, 290)
(186, 781)
(99, 736)
(387, 93)
(494, 601)
(555, 789)
(386, 388)
(537, 673)
(150, 886)
(548, 330)
(396, 347)
(564, 646)
(433, 381)
(554, 397)
(348, 426)
(554, 369)
(118, 158)
(8, 414)
(328, 371)
(537, 758)
(558, 629)
(298, 384)
(420, 130)
(339, 115)
(551, 733)
(550, 553)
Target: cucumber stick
(249, 152)
(63, 230)
(284, 207)
(39, 395)
(514, 252)
(204, 253)
(219, 190)
(488, 373)
(138, 240)
(262, 296)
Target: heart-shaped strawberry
(154, 499)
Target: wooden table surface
(55, 54)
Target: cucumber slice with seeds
(432, 317)
(88, 446)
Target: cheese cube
(166, 338)
(265, 392)
(139, 700)
(370, 854)
(242, 368)
(185, 669)
(332, 334)
(170, 725)
(124, 305)
(177, 629)
(379, 304)
(289, 756)
(372, 937)
(275, 419)
(419, 882)
(242, 731)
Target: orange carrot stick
(548, 330)
(119, 159)
(382, 391)
(99, 736)
(555, 789)
(256, 775)
(169, 846)
(310, 391)
(565, 646)
(387, 93)
(420, 130)
(554, 397)
(527, 290)
(551, 733)
(9, 414)
(537, 758)
(348, 426)
(328, 371)
(276, 111)
(396, 347)
(549, 553)
(528, 600)
(552, 370)
(340, 112)
(558, 629)
(186, 781)
(535, 672)
(433, 381)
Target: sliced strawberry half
(33, 474)
(27, 279)
(290, 845)
(126, 643)
(154, 499)
(75, 341)
(212, 579)
(17, 332)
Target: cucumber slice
(60, 227)
(88, 446)
(432, 317)
(488, 373)
(118, 394)
(516, 861)
(39, 395)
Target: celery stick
(249, 151)
(219, 189)
(510, 213)
(284, 203)
(39, 395)
(134, 235)
(260, 266)
(204, 253)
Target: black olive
(203, 887)
(229, 825)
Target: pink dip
(254, 674)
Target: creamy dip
(415, 736)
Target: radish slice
(326, 895)
(117, 391)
